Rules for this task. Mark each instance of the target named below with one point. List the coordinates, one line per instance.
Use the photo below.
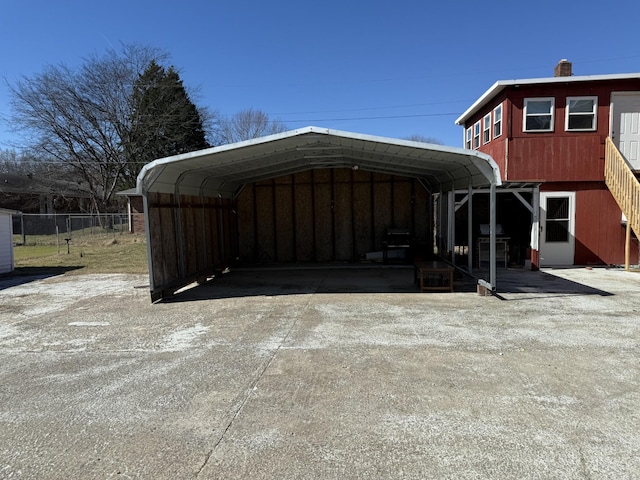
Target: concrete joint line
(247, 394)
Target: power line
(364, 109)
(382, 117)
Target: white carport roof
(223, 170)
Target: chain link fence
(52, 229)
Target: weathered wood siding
(189, 238)
(327, 215)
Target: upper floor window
(581, 113)
(538, 114)
(467, 139)
(497, 121)
(486, 128)
(476, 134)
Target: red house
(553, 138)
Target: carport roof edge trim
(475, 162)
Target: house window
(497, 121)
(467, 141)
(538, 114)
(581, 113)
(476, 135)
(486, 128)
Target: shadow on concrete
(22, 275)
(299, 280)
(395, 279)
(513, 283)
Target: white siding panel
(6, 243)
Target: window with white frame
(497, 121)
(476, 134)
(467, 140)
(486, 128)
(581, 114)
(539, 114)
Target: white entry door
(625, 126)
(557, 228)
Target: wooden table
(434, 276)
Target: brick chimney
(563, 69)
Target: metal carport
(190, 199)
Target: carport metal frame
(515, 189)
(221, 173)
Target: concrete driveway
(322, 374)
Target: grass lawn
(99, 254)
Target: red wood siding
(556, 158)
(551, 156)
(565, 161)
(599, 234)
(496, 148)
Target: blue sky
(382, 68)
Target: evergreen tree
(164, 120)
(102, 121)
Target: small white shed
(6, 240)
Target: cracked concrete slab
(321, 373)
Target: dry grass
(97, 254)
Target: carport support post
(492, 235)
(147, 233)
(440, 230)
(451, 226)
(470, 229)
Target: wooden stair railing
(625, 188)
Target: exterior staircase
(625, 188)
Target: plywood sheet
(303, 177)
(322, 175)
(323, 223)
(402, 208)
(362, 218)
(208, 233)
(422, 219)
(230, 234)
(284, 223)
(246, 222)
(167, 236)
(284, 180)
(382, 209)
(343, 223)
(304, 227)
(265, 238)
(189, 249)
(342, 175)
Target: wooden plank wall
(327, 215)
(189, 239)
(162, 241)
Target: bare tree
(82, 117)
(423, 139)
(248, 124)
(26, 180)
